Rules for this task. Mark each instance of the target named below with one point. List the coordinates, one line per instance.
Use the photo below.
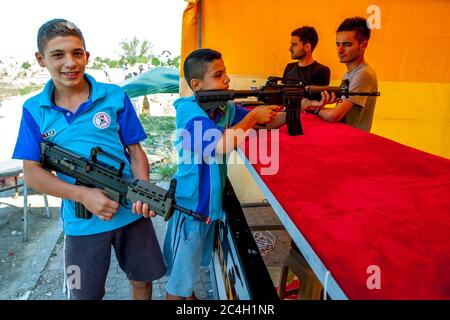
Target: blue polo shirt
(107, 119)
(201, 173)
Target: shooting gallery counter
(371, 216)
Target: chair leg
(283, 292)
(47, 210)
(311, 288)
(282, 282)
(16, 195)
(25, 213)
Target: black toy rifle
(274, 92)
(94, 174)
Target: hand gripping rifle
(273, 92)
(94, 174)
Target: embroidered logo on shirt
(48, 134)
(101, 120)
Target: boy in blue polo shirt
(78, 113)
(203, 141)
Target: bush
(26, 65)
(32, 87)
(159, 142)
(167, 171)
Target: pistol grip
(81, 211)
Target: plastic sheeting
(157, 80)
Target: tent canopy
(409, 50)
(156, 80)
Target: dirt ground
(21, 262)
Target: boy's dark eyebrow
(56, 51)
(62, 51)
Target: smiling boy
(78, 113)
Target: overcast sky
(104, 24)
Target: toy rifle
(94, 174)
(274, 92)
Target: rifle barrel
(196, 215)
(316, 90)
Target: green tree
(146, 48)
(135, 51)
(100, 62)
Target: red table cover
(362, 200)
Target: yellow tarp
(409, 52)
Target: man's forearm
(325, 114)
(337, 113)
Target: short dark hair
(57, 28)
(307, 34)
(357, 24)
(195, 65)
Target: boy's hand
(97, 202)
(142, 208)
(266, 113)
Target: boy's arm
(278, 121)
(131, 133)
(28, 149)
(141, 170)
(95, 200)
(234, 136)
(139, 162)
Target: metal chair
(14, 169)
